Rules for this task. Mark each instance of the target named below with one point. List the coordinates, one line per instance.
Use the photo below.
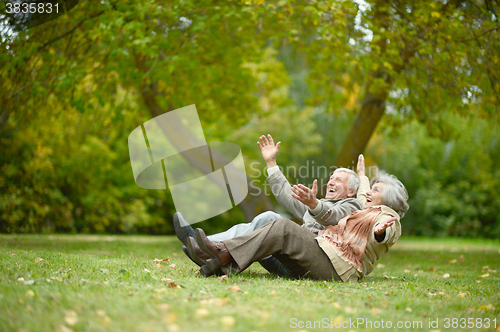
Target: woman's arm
(364, 185)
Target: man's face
(338, 186)
(374, 196)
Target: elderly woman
(343, 252)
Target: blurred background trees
(412, 84)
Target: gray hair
(394, 195)
(353, 178)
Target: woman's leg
(294, 246)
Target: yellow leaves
(38, 260)
(486, 275)
(30, 293)
(147, 270)
(227, 322)
(453, 261)
(446, 275)
(273, 292)
(461, 294)
(64, 328)
(488, 307)
(380, 266)
(156, 265)
(218, 302)
(408, 309)
(336, 305)
(71, 317)
(375, 311)
(161, 260)
(103, 317)
(435, 14)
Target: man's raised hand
(268, 149)
(305, 195)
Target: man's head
(343, 183)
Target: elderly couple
(341, 237)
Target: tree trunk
(372, 111)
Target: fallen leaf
(336, 305)
(30, 293)
(369, 296)
(486, 275)
(453, 261)
(172, 284)
(161, 260)
(38, 259)
(173, 266)
(227, 321)
(273, 293)
(350, 310)
(64, 328)
(380, 266)
(384, 304)
(462, 294)
(13, 254)
(446, 275)
(164, 306)
(147, 270)
(406, 271)
(486, 267)
(432, 269)
(71, 317)
(202, 312)
(375, 311)
(223, 278)
(20, 279)
(170, 318)
(235, 288)
(160, 290)
(408, 309)
(156, 266)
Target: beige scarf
(349, 237)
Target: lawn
(112, 283)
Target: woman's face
(374, 196)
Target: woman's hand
(305, 195)
(361, 165)
(382, 226)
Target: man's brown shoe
(216, 250)
(198, 255)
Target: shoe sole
(192, 253)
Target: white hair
(394, 195)
(353, 177)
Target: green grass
(110, 283)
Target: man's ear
(351, 193)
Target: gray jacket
(331, 211)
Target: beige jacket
(374, 249)
(330, 212)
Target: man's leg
(295, 247)
(247, 228)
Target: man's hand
(269, 150)
(361, 165)
(305, 195)
(381, 227)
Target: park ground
(145, 283)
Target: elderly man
(299, 200)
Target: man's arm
(280, 186)
(331, 213)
